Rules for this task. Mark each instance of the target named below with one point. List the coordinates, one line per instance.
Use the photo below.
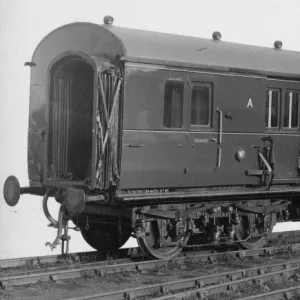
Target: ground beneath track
(174, 270)
(90, 283)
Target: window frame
(279, 112)
(195, 127)
(167, 82)
(285, 92)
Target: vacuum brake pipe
(45, 207)
(59, 228)
(61, 224)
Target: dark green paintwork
(160, 162)
(153, 156)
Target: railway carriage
(184, 141)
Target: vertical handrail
(219, 157)
(220, 126)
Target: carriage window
(290, 106)
(200, 105)
(272, 109)
(173, 105)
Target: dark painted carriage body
(149, 155)
(178, 139)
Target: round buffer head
(11, 190)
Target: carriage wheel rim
(261, 240)
(153, 253)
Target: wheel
(104, 237)
(257, 240)
(156, 243)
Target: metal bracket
(219, 154)
(267, 159)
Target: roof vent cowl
(278, 44)
(216, 36)
(108, 20)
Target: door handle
(219, 157)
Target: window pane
(200, 105)
(291, 115)
(294, 114)
(286, 110)
(267, 110)
(274, 109)
(173, 105)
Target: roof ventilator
(278, 44)
(108, 20)
(216, 36)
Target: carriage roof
(185, 51)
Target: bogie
(163, 232)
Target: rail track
(40, 261)
(28, 263)
(102, 268)
(45, 262)
(218, 284)
(53, 271)
(20, 277)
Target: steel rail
(117, 266)
(215, 289)
(43, 260)
(201, 286)
(75, 257)
(287, 294)
(56, 273)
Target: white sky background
(23, 229)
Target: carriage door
(107, 105)
(202, 141)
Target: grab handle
(220, 125)
(219, 150)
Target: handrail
(220, 125)
(219, 157)
(220, 138)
